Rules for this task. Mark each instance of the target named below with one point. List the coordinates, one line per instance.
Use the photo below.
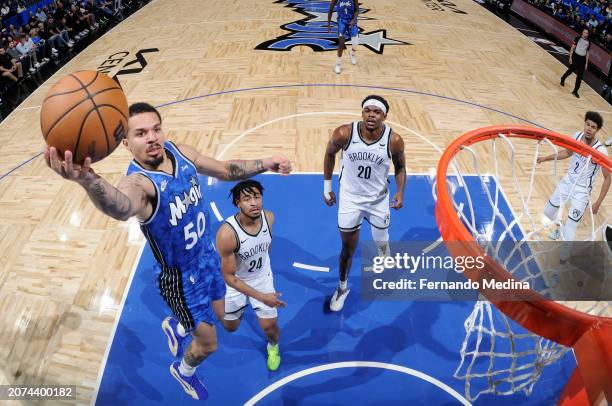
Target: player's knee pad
(380, 236)
(551, 211)
(569, 229)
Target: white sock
(339, 61)
(181, 330)
(343, 285)
(185, 369)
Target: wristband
(327, 188)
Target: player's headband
(375, 103)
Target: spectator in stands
(59, 12)
(20, 7)
(57, 38)
(592, 23)
(64, 32)
(41, 15)
(10, 67)
(578, 59)
(81, 22)
(70, 24)
(44, 35)
(101, 8)
(27, 48)
(14, 32)
(15, 54)
(43, 50)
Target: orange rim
(537, 314)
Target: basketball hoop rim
(542, 316)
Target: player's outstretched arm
(399, 163)
(235, 169)
(566, 153)
(605, 187)
(338, 140)
(129, 198)
(226, 245)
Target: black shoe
(575, 93)
(562, 83)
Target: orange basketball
(85, 112)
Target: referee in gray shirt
(578, 59)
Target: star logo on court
(312, 30)
(376, 40)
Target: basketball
(86, 112)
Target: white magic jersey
(252, 259)
(365, 167)
(579, 171)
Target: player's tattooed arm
(132, 196)
(235, 169)
(129, 198)
(399, 163)
(239, 169)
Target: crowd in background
(594, 15)
(41, 35)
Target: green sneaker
(274, 358)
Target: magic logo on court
(311, 31)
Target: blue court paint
(425, 336)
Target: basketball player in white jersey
(368, 147)
(243, 242)
(578, 183)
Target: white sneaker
(555, 234)
(338, 68)
(337, 299)
(353, 57)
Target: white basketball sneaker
(555, 234)
(338, 68)
(353, 56)
(337, 299)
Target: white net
(497, 355)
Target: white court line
(433, 245)
(218, 215)
(313, 113)
(357, 364)
(311, 267)
(116, 323)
